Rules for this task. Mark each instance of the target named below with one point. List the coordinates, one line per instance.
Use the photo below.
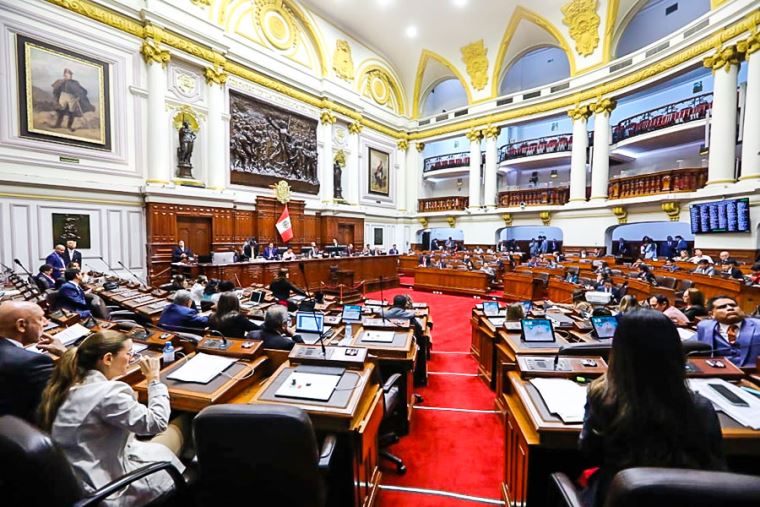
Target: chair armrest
(392, 380)
(564, 492)
(123, 314)
(326, 454)
(126, 480)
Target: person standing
(56, 260)
(71, 254)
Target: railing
(449, 161)
(450, 203)
(684, 111)
(550, 144)
(534, 197)
(665, 182)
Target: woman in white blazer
(94, 419)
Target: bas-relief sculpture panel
(269, 144)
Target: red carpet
(448, 452)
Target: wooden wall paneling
(331, 228)
(265, 220)
(244, 225)
(312, 231)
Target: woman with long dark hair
(94, 418)
(228, 320)
(641, 412)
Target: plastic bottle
(168, 353)
(349, 331)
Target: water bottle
(349, 331)
(168, 353)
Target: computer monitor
(222, 257)
(281, 250)
(352, 313)
(334, 250)
(537, 331)
(309, 322)
(604, 326)
(491, 308)
(527, 306)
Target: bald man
(23, 373)
(56, 260)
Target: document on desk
(72, 334)
(202, 369)
(562, 397)
(747, 415)
(308, 386)
(685, 334)
(378, 336)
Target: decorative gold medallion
(277, 24)
(282, 191)
(583, 21)
(343, 64)
(475, 58)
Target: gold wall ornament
(277, 23)
(452, 221)
(378, 86)
(355, 128)
(672, 209)
(343, 63)
(281, 191)
(424, 222)
(546, 217)
(215, 75)
(507, 217)
(491, 132)
(186, 114)
(475, 58)
(723, 58)
(749, 45)
(327, 118)
(420, 147)
(152, 53)
(474, 135)
(340, 158)
(402, 145)
(579, 112)
(583, 21)
(621, 213)
(202, 3)
(603, 106)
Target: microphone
(382, 300)
(131, 273)
(22, 266)
(217, 344)
(110, 270)
(711, 351)
(6, 268)
(302, 269)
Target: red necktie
(732, 333)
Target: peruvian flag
(283, 225)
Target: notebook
(202, 368)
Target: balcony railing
(534, 197)
(449, 161)
(684, 111)
(665, 182)
(550, 144)
(450, 203)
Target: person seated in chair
(698, 256)
(314, 252)
(393, 250)
(725, 258)
(179, 316)
(646, 275)
(71, 296)
(661, 303)
(228, 320)
(467, 262)
(694, 303)
(730, 332)
(608, 287)
(178, 283)
(276, 333)
(614, 437)
(754, 277)
(44, 279)
(731, 268)
(289, 255)
(572, 277)
(683, 256)
(424, 261)
(704, 268)
(270, 252)
(181, 253)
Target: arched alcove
(426, 236)
(528, 232)
(535, 67)
(653, 20)
(658, 231)
(443, 96)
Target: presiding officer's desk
(451, 280)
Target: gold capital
(403, 145)
(672, 209)
(474, 135)
(424, 222)
(749, 45)
(603, 106)
(420, 147)
(215, 76)
(579, 112)
(723, 58)
(621, 213)
(355, 128)
(491, 132)
(546, 217)
(152, 52)
(327, 118)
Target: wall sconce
(554, 173)
(459, 184)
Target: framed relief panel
(378, 172)
(63, 95)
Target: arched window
(535, 67)
(444, 96)
(656, 20)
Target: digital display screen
(491, 307)
(309, 322)
(731, 215)
(604, 326)
(537, 330)
(352, 312)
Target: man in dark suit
(251, 248)
(393, 250)
(24, 373)
(71, 295)
(424, 261)
(276, 333)
(44, 279)
(270, 252)
(71, 254)
(180, 316)
(730, 333)
(56, 260)
(181, 253)
(623, 250)
(681, 244)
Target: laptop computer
(604, 326)
(527, 306)
(537, 333)
(256, 297)
(310, 325)
(491, 308)
(352, 313)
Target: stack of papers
(562, 397)
(745, 415)
(202, 369)
(378, 336)
(72, 334)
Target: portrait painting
(378, 172)
(63, 95)
(67, 227)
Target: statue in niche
(337, 177)
(185, 151)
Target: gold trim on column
(152, 53)
(603, 106)
(402, 145)
(579, 112)
(158, 182)
(749, 177)
(327, 118)
(474, 135)
(491, 132)
(621, 213)
(749, 45)
(215, 75)
(723, 58)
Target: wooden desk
(518, 286)
(561, 291)
(451, 280)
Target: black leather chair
(392, 399)
(667, 487)
(34, 472)
(265, 451)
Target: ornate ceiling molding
(425, 58)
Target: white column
(600, 164)
(413, 176)
(578, 155)
(351, 190)
(401, 186)
(216, 171)
(489, 180)
(327, 160)
(721, 160)
(751, 133)
(474, 137)
(158, 145)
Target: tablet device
(352, 313)
(491, 308)
(604, 326)
(537, 331)
(527, 306)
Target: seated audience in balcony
(661, 303)
(683, 256)
(698, 256)
(730, 333)
(646, 275)
(179, 316)
(725, 258)
(614, 437)
(754, 277)
(694, 302)
(704, 267)
(731, 268)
